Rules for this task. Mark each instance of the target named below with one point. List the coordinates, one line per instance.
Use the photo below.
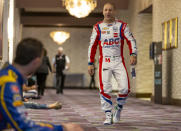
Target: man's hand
(56, 105)
(72, 127)
(33, 87)
(25, 99)
(91, 70)
(133, 60)
(53, 70)
(66, 67)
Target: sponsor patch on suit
(108, 32)
(17, 103)
(15, 89)
(103, 32)
(105, 28)
(115, 29)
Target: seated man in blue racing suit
(28, 58)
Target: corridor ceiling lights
(59, 36)
(80, 8)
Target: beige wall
(143, 4)
(141, 26)
(164, 10)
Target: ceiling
(51, 13)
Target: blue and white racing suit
(110, 38)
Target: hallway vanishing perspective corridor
(83, 107)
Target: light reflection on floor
(145, 99)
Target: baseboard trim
(141, 95)
(169, 101)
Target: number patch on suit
(107, 60)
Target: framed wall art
(170, 34)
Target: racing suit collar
(110, 24)
(20, 78)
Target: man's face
(60, 52)
(108, 12)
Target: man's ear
(36, 61)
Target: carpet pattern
(83, 107)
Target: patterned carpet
(83, 107)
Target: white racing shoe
(108, 120)
(116, 114)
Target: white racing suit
(110, 38)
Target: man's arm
(27, 88)
(49, 65)
(131, 43)
(92, 48)
(33, 105)
(54, 66)
(67, 64)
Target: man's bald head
(112, 4)
(109, 12)
(60, 50)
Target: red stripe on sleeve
(128, 42)
(94, 47)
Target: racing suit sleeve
(94, 40)
(129, 39)
(13, 110)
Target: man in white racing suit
(110, 34)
